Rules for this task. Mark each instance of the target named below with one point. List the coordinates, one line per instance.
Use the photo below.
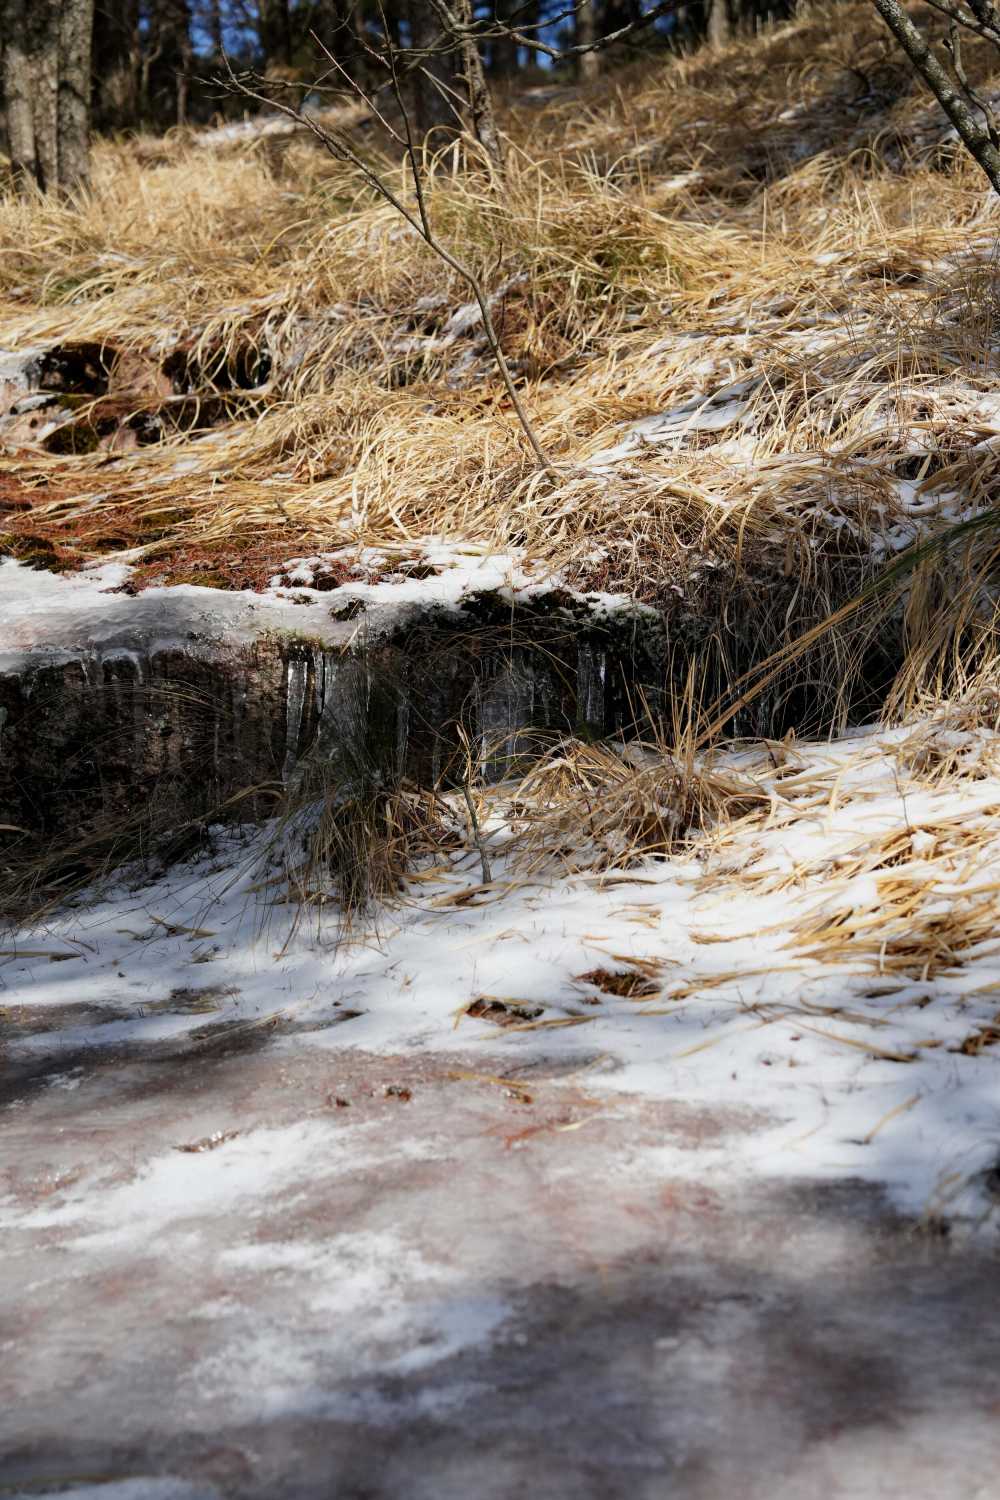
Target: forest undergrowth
(750, 300)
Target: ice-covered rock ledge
(184, 696)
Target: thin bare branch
(340, 148)
(491, 30)
(974, 134)
(953, 45)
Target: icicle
(296, 676)
(506, 710)
(319, 683)
(121, 653)
(590, 677)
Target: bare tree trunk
(275, 32)
(46, 88)
(186, 59)
(357, 62)
(43, 34)
(167, 41)
(215, 26)
(484, 123)
(586, 36)
(435, 74)
(17, 89)
(148, 54)
(76, 25)
(720, 22)
(115, 60)
(503, 49)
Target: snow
(350, 1276)
(20, 373)
(19, 369)
(679, 181)
(153, 1211)
(721, 409)
(852, 1056)
(253, 127)
(50, 618)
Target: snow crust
(719, 410)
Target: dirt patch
(623, 982)
(190, 1001)
(503, 1012)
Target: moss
(303, 643)
(78, 436)
(35, 552)
(210, 579)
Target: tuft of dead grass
(605, 806)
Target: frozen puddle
(712, 1212)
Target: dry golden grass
(883, 854)
(781, 219)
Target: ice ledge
(48, 618)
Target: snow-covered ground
(823, 963)
(679, 1178)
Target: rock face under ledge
(173, 701)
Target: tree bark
(483, 119)
(43, 45)
(185, 54)
(433, 109)
(17, 90)
(586, 36)
(116, 63)
(76, 25)
(275, 32)
(215, 26)
(503, 49)
(46, 88)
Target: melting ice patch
(244, 1177)
(376, 1308)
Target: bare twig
(474, 828)
(340, 148)
(480, 99)
(955, 13)
(953, 45)
(477, 835)
(489, 31)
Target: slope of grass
(775, 243)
